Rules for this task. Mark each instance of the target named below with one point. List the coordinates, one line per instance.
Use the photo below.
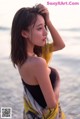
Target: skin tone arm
(58, 43)
(42, 77)
(57, 40)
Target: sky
(62, 16)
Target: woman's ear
(25, 34)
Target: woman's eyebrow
(40, 25)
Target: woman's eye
(40, 28)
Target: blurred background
(66, 19)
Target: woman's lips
(44, 39)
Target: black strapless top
(36, 91)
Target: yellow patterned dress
(32, 110)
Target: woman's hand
(44, 10)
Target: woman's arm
(57, 40)
(42, 76)
(58, 43)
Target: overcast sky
(61, 15)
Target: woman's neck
(30, 49)
(30, 53)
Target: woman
(30, 53)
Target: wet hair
(23, 18)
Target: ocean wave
(2, 28)
(70, 29)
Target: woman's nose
(45, 32)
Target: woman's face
(38, 33)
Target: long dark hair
(23, 18)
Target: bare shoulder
(40, 61)
(34, 64)
(39, 64)
(40, 67)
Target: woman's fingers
(44, 10)
(41, 7)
